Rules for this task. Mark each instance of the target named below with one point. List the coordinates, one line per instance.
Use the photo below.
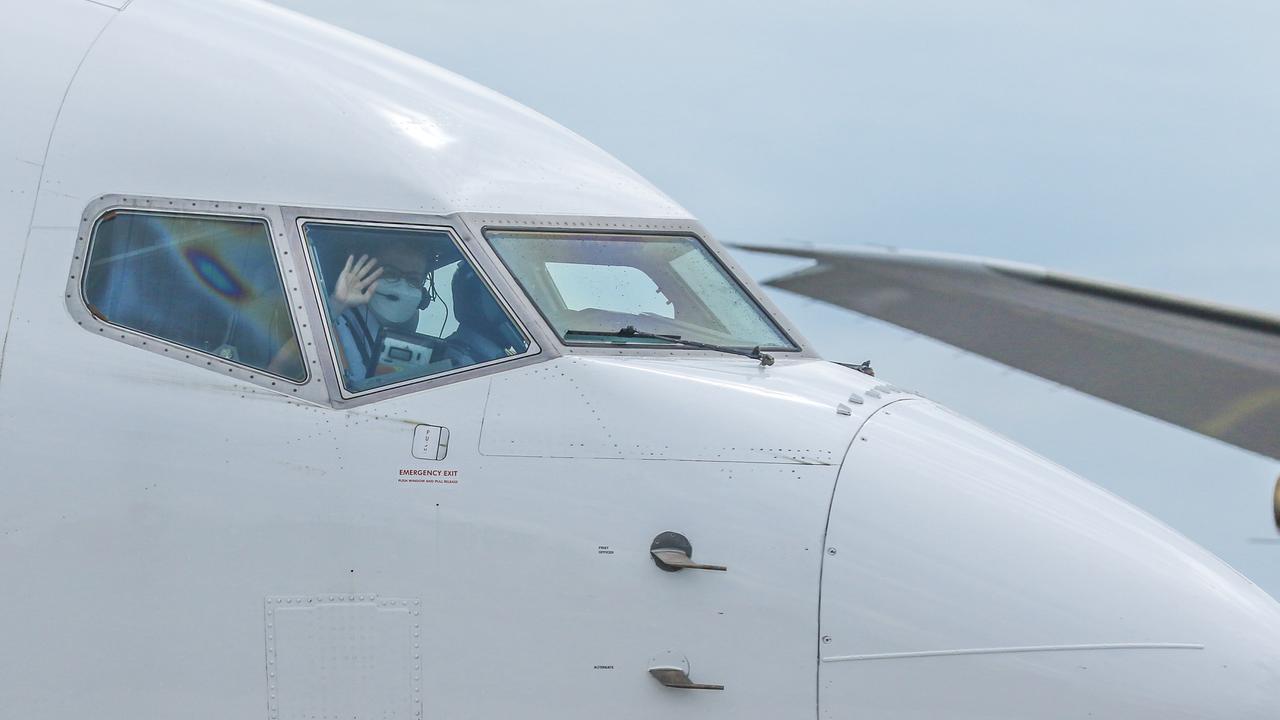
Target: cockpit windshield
(591, 286)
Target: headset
(429, 293)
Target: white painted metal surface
(605, 411)
(161, 521)
(230, 99)
(1004, 586)
(33, 92)
(344, 656)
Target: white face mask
(395, 301)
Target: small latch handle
(676, 677)
(676, 559)
(672, 551)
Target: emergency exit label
(430, 442)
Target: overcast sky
(1135, 142)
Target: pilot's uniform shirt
(361, 336)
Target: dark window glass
(209, 284)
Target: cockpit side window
(206, 283)
(404, 303)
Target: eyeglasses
(413, 278)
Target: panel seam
(1013, 650)
(44, 160)
(822, 556)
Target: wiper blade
(630, 331)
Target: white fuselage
(181, 537)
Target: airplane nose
(966, 577)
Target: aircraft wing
(1208, 368)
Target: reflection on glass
(210, 284)
(404, 303)
(591, 286)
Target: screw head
(826, 639)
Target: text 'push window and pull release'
(210, 284)
(404, 304)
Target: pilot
(374, 295)
(371, 296)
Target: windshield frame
(323, 387)
(638, 231)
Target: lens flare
(215, 274)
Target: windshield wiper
(630, 331)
